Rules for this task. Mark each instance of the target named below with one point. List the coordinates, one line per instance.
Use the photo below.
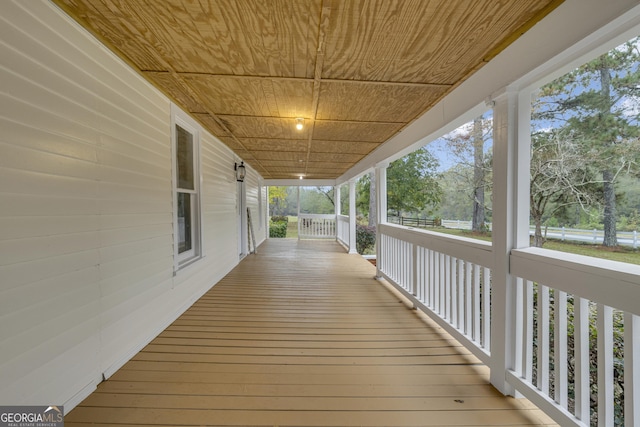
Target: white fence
(315, 226)
(558, 299)
(625, 238)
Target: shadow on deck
(302, 334)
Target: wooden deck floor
(302, 335)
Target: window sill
(183, 265)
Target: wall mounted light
(241, 171)
(300, 176)
(299, 123)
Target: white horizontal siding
(86, 215)
(218, 201)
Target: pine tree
(591, 105)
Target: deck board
(301, 334)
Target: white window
(186, 179)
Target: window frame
(187, 257)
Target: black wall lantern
(241, 171)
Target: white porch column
(352, 216)
(338, 206)
(511, 141)
(381, 202)
(298, 202)
(267, 211)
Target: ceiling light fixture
(299, 123)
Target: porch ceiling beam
(317, 121)
(302, 79)
(317, 76)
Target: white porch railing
(343, 230)
(564, 299)
(448, 278)
(558, 298)
(316, 226)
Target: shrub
(280, 218)
(278, 229)
(365, 238)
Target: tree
(277, 200)
(412, 186)
(455, 196)
(479, 181)
(316, 200)
(328, 193)
(468, 145)
(366, 198)
(412, 183)
(363, 197)
(559, 177)
(593, 102)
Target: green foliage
(344, 200)
(413, 183)
(280, 218)
(629, 202)
(278, 229)
(278, 200)
(317, 200)
(631, 222)
(591, 219)
(365, 238)
(552, 222)
(457, 203)
(363, 186)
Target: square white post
(631, 370)
(381, 205)
(352, 216)
(511, 143)
(298, 202)
(338, 208)
(267, 217)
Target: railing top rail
(612, 283)
(476, 251)
(318, 216)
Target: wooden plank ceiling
(357, 71)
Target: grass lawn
(621, 253)
(292, 228)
